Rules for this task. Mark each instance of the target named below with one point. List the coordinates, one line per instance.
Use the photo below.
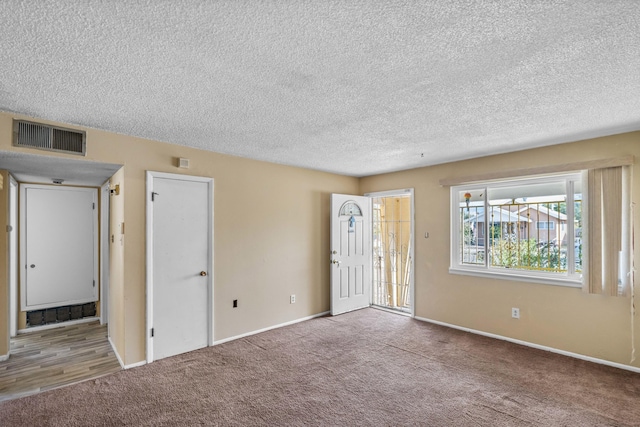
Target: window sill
(555, 281)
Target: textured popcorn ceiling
(355, 87)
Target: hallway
(53, 358)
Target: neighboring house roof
(545, 210)
(498, 215)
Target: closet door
(59, 246)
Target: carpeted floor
(367, 367)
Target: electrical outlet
(515, 313)
(292, 299)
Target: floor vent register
(60, 314)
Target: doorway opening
(35, 170)
(392, 250)
(66, 319)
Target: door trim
(151, 175)
(412, 238)
(104, 255)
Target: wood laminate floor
(54, 358)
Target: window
(350, 208)
(528, 229)
(545, 225)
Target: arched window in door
(350, 208)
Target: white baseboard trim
(115, 351)
(135, 365)
(4, 357)
(132, 365)
(58, 325)
(291, 322)
(532, 345)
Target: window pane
(577, 221)
(470, 216)
(529, 191)
(528, 226)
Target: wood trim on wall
(540, 170)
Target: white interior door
(59, 246)
(181, 246)
(350, 253)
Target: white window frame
(561, 279)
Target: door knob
(335, 261)
(203, 273)
(32, 266)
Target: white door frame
(13, 256)
(104, 254)
(151, 175)
(401, 192)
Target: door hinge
(152, 331)
(94, 283)
(153, 196)
(94, 206)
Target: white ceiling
(356, 87)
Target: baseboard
(58, 325)
(132, 365)
(135, 365)
(115, 351)
(4, 357)
(532, 345)
(291, 322)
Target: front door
(181, 241)
(350, 253)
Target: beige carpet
(363, 368)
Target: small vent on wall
(51, 138)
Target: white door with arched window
(350, 253)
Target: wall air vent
(51, 138)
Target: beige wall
(272, 240)
(270, 225)
(554, 316)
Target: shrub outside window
(524, 229)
